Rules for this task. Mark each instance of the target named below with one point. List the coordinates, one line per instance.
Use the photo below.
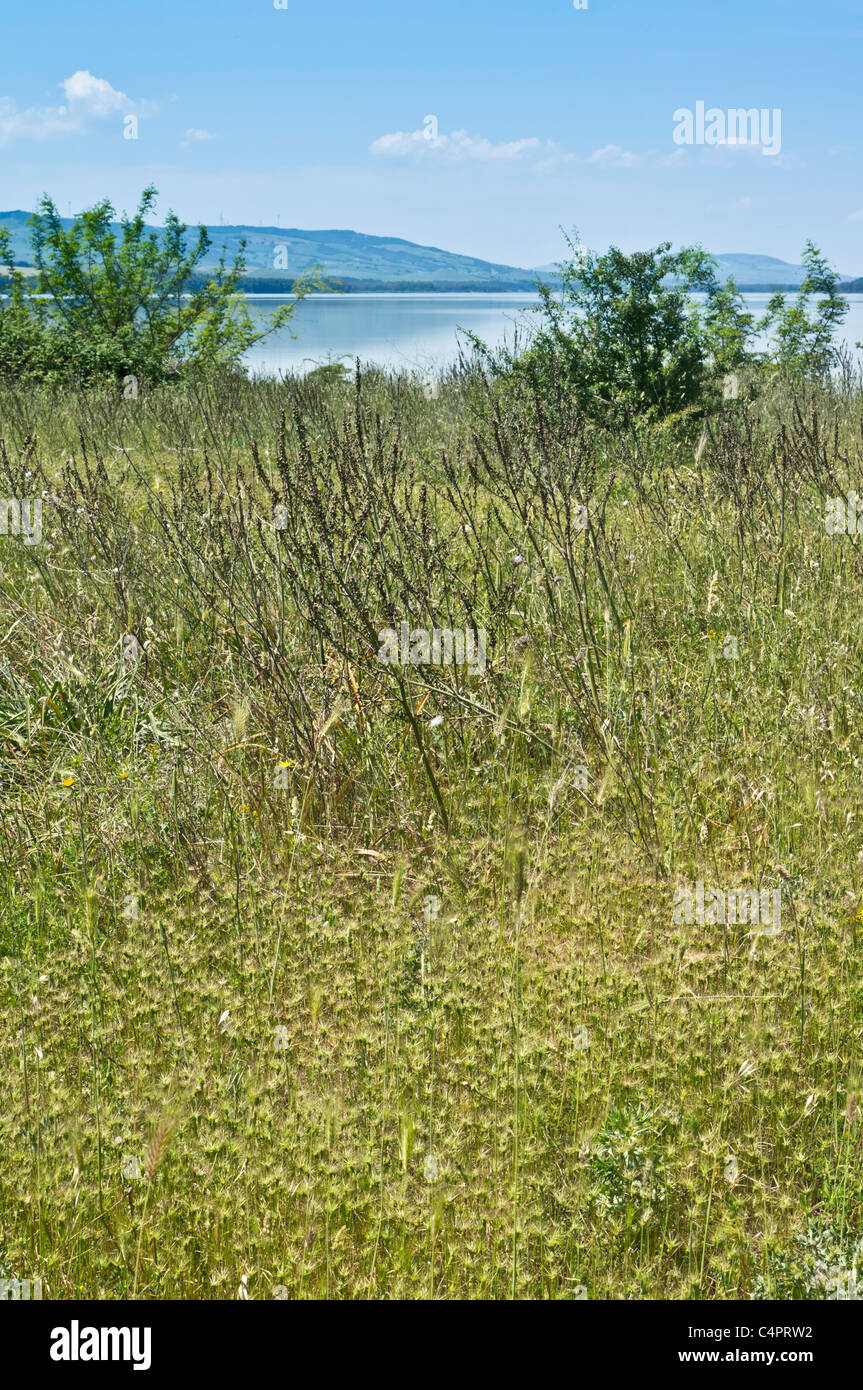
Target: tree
(119, 300)
(804, 339)
(625, 335)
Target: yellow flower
(68, 781)
(124, 774)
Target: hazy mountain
(276, 255)
(750, 271)
(343, 255)
(762, 270)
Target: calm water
(417, 332)
(410, 332)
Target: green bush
(115, 300)
(623, 336)
(822, 1262)
(804, 337)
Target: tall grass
(324, 977)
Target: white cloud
(671, 161)
(33, 123)
(615, 156)
(459, 146)
(88, 99)
(93, 95)
(194, 136)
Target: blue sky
(314, 116)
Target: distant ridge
(752, 272)
(358, 262)
(355, 259)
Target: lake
(416, 332)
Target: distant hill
(753, 272)
(353, 258)
(356, 261)
(758, 272)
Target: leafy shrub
(804, 336)
(623, 337)
(823, 1262)
(628, 1164)
(111, 302)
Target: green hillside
(357, 261)
(343, 255)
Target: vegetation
(805, 335)
(618, 335)
(124, 302)
(320, 976)
(332, 968)
(623, 335)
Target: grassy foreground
(325, 977)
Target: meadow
(325, 976)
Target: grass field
(325, 977)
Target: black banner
(87, 1340)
